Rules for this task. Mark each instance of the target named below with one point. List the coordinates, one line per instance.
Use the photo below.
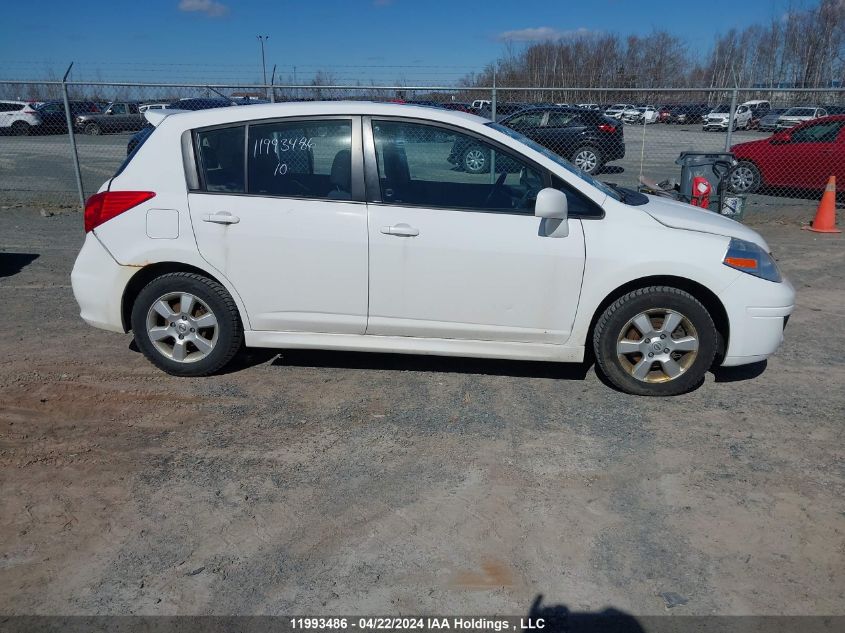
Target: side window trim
(373, 184)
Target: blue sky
(425, 42)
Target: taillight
(606, 127)
(104, 206)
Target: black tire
(745, 177)
(21, 128)
(476, 160)
(581, 153)
(228, 338)
(615, 327)
(93, 129)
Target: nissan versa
(344, 226)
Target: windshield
(800, 112)
(572, 169)
(722, 109)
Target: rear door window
(301, 159)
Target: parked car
(641, 114)
(186, 247)
(803, 157)
(720, 117)
(617, 109)
(478, 104)
(52, 114)
(794, 116)
(664, 111)
(586, 137)
(589, 106)
(18, 117)
(119, 116)
(687, 113)
(759, 108)
(770, 121)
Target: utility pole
(262, 39)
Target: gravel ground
(349, 483)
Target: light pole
(262, 39)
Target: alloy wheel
(475, 160)
(182, 327)
(586, 160)
(657, 345)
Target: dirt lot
(343, 483)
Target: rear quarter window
(220, 158)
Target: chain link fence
(786, 142)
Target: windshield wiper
(629, 196)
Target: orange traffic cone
(825, 221)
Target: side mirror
(552, 207)
(551, 204)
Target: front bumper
(98, 283)
(721, 124)
(757, 312)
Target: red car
(803, 157)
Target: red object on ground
(825, 220)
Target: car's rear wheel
(655, 341)
(476, 160)
(587, 159)
(93, 129)
(21, 128)
(745, 178)
(186, 324)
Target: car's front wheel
(93, 129)
(745, 178)
(587, 159)
(186, 324)
(655, 341)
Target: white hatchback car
(345, 226)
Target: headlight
(751, 259)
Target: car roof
(234, 114)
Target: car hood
(718, 115)
(796, 118)
(679, 215)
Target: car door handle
(222, 217)
(402, 230)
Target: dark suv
(52, 113)
(587, 138)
